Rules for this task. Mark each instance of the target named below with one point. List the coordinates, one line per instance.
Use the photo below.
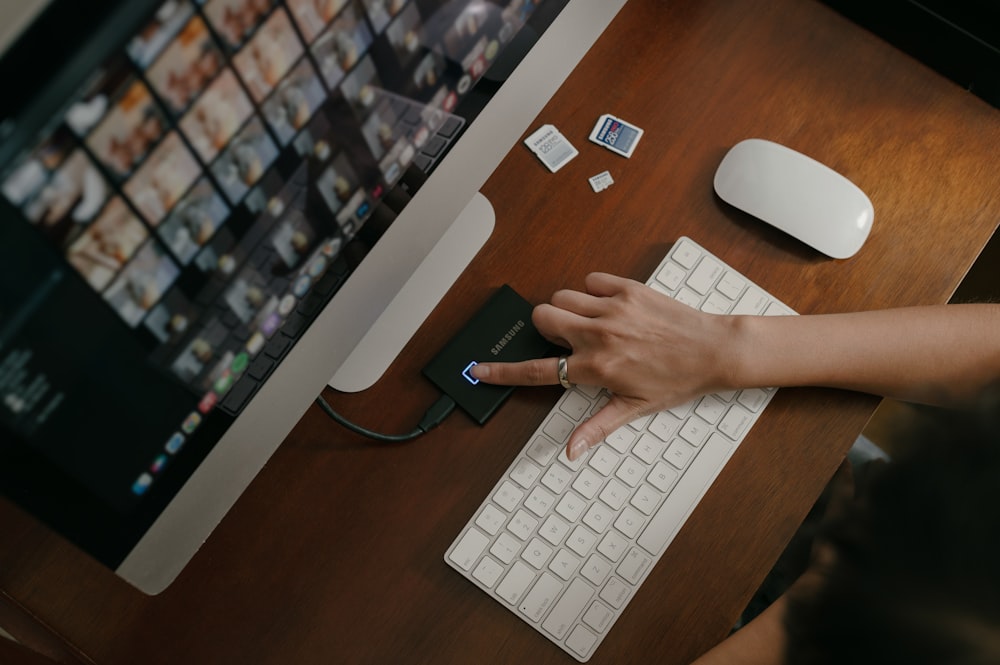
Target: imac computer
(211, 209)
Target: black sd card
(500, 331)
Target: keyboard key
(703, 278)
(614, 494)
(735, 423)
(564, 564)
(554, 529)
(505, 547)
(539, 501)
(688, 297)
(556, 478)
(491, 519)
(615, 592)
(648, 449)
(598, 517)
(588, 483)
(710, 408)
(574, 405)
(661, 477)
(508, 496)
(542, 450)
(753, 302)
(665, 425)
(621, 439)
(612, 546)
(569, 607)
(598, 617)
(542, 596)
(468, 549)
(716, 303)
(695, 430)
(686, 253)
(596, 569)
(679, 454)
(522, 525)
(488, 571)
(582, 541)
(515, 583)
(731, 285)
(524, 473)
(603, 460)
(630, 522)
(631, 472)
(558, 428)
(753, 398)
(634, 565)
(581, 641)
(536, 553)
(571, 506)
(670, 276)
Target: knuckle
(540, 314)
(560, 296)
(536, 374)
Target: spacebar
(680, 502)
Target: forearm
(653, 353)
(935, 354)
(760, 642)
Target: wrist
(745, 354)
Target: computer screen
(194, 238)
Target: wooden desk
(335, 554)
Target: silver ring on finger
(562, 372)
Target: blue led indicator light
(468, 377)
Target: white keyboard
(566, 545)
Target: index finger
(537, 372)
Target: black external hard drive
(500, 331)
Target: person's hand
(650, 351)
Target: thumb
(617, 412)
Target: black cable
(433, 417)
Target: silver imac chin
(382, 304)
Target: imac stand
(428, 285)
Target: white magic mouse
(796, 194)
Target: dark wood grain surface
(335, 553)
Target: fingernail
(480, 372)
(577, 448)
